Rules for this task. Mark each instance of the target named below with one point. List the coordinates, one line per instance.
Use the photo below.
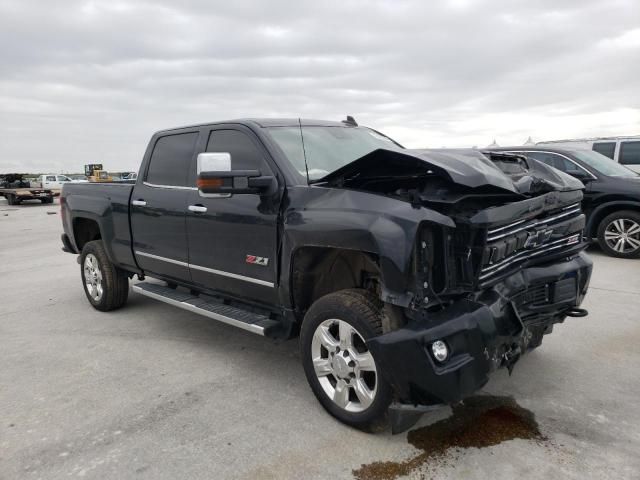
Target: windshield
(603, 164)
(327, 148)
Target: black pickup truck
(409, 275)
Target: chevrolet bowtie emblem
(537, 238)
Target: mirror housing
(215, 177)
(581, 175)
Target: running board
(252, 322)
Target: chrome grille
(549, 247)
(523, 225)
(509, 245)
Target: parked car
(611, 196)
(55, 182)
(624, 150)
(409, 275)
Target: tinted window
(170, 160)
(245, 154)
(630, 153)
(51, 178)
(554, 160)
(605, 148)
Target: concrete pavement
(153, 392)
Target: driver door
(233, 238)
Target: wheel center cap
(341, 367)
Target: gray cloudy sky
(89, 81)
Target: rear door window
(170, 160)
(630, 153)
(608, 149)
(50, 178)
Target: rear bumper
(488, 331)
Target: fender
(352, 220)
(112, 218)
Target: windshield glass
(603, 164)
(327, 148)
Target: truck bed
(108, 205)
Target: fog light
(440, 350)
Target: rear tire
(106, 286)
(338, 365)
(11, 199)
(619, 234)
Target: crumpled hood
(468, 167)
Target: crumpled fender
(360, 221)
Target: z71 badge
(252, 259)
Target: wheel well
(607, 210)
(85, 230)
(317, 271)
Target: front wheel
(339, 367)
(619, 234)
(106, 286)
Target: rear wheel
(339, 367)
(12, 200)
(106, 286)
(619, 234)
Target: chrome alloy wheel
(93, 277)
(344, 365)
(623, 235)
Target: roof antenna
(350, 121)
(304, 151)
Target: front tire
(619, 234)
(339, 367)
(106, 286)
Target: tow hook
(577, 312)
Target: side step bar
(252, 322)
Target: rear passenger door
(233, 238)
(159, 203)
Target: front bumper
(485, 331)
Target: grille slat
(510, 245)
(501, 232)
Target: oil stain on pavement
(481, 421)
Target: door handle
(139, 203)
(197, 209)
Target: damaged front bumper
(483, 332)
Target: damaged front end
(489, 288)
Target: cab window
(245, 154)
